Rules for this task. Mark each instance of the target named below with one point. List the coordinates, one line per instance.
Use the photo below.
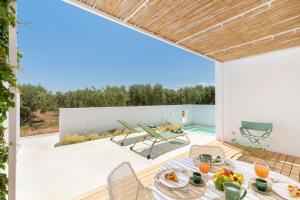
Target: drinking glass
(261, 168)
(204, 166)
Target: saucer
(267, 192)
(202, 182)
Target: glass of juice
(261, 168)
(204, 166)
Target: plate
(281, 189)
(268, 192)
(183, 180)
(202, 183)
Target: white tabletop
(211, 193)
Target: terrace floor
(280, 163)
(47, 172)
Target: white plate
(281, 189)
(182, 178)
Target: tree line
(37, 97)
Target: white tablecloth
(211, 193)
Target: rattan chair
(196, 150)
(123, 183)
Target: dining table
(209, 192)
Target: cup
(206, 157)
(204, 166)
(197, 177)
(233, 191)
(261, 168)
(261, 184)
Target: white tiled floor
(46, 172)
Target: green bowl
(205, 157)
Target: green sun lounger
(127, 127)
(160, 137)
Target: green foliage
(114, 96)
(35, 98)
(7, 77)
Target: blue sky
(66, 48)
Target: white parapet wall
(102, 119)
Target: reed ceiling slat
(118, 8)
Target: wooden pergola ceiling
(219, 29)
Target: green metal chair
(255, 142)
(159, 137)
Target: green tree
(115, 96)
(35, 98)
(158, 96)
(135, 97)
(171, 97)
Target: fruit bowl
(227, 175)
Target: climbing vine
(7, 77)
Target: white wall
(202, 114)
(101, 119)
(265, 88)
(219, 100)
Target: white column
(14, 118)
(219, 100)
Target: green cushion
(164, 135)
(169, 135)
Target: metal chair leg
(149, 153)
(122, 143)
(188, 139)
(136, 141)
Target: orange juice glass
(204, 166)
(261, 169)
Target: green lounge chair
(255, 141)
(127, 127)
(159, 137)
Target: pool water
(201, 129)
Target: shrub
(78, 138)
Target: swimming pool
(201, 129)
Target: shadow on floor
(162, 148)
(129, 141)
